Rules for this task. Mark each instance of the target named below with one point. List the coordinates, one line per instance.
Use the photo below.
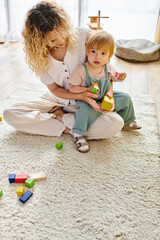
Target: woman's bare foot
(58, 112)
(59, 116)
(67, 130)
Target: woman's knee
(117, 122)
(106, 126)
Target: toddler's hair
(100, 40)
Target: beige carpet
(110, 193)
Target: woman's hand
(88, 97)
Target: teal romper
(86, 115)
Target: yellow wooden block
(0, 118)
(107, 103)
(20, 191)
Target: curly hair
(101, 40)
(41, 19)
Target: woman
(53, 49)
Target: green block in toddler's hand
(59, 145)
(94, 89)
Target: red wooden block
(118, 75)
(21, 178)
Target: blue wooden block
(25, 196)
(11, 178)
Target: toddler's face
(98, 58)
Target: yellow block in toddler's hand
(107, 103)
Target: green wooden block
(1, 192)
(29, 182)
(59, 145)
(95, 88)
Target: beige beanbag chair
(137, 50)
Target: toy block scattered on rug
(1, 118)
(25, 196)
(38, 176)
(59, 145)
(20, 191)
(11, 178)
(21, 178)
(29, 182)
(107, 103)
(1, 192)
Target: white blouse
(59, 71)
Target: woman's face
(56, 41)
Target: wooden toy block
(25, 196)
(21, 178)
(95, 88)
(1, 118)
(1, 192)
(11, 178)
(118, 75)
(59, 145)
(20, 191)
(95, 83)
(29, 182)
(107, 103)
(38, 176)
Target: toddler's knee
(127, 97)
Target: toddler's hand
(109, 94)
(120, 76)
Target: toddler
(99, 49)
